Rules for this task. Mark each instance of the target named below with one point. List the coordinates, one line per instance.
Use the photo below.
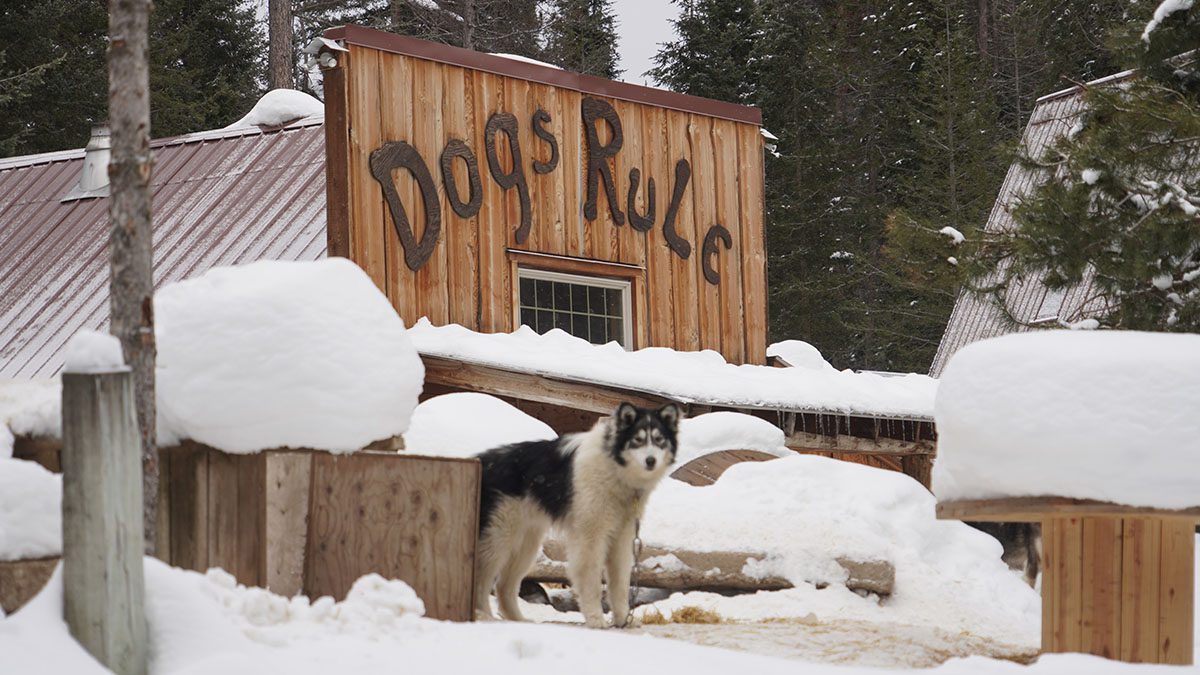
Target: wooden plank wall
(404, 517)
(468, 279)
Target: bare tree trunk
(983, 38)
(279, 54)
(131, 288)
(468, 24)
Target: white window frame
(623, 285)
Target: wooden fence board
(1176, 592)
(1101, 607)
(404, 517)
(287, 483)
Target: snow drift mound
(717, 431)
(30, 510)
(466, 424)
(283, 354)
(1101, 415)
(278, 107)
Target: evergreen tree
(1118, 202)
(206, 68)
(581, 35)
(712, 55)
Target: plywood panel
(461, 234)
(287, 488)
(187, 474)
(1101, 606)
(222, 520)
(404, 517)
(367, 236)
(250, 530)
(1176, 593)
(727, 263)
(752, 236)
(431, 280)
(1139, 589)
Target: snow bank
(1091, 415)
(713, 432)
(275, 354)
(805, 511)
(799, 354)
(89, 351)
(29, 408)
(699, 377)
(30, 510)
(466, 424)
(278, 107)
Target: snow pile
(805, 511)
(466, 424)
(275, 354)
(717, 431)
(525, 59)
(956, 237)
(694, 377)
(89, 351)
(799, 354)
(30, 510)
(29, 408)
(1165, 8)
(278, 107)
(1103, 415)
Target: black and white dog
(593, 487)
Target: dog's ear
(626, 415)
(670, 415)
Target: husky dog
(593, 487)
(1022, 544)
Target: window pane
(562, 321)
(616, 330)
(545, 321)
(562, 296)
(579, 325)
(597, 334)
(614, 301)
(596, 300)
(527, 296)
(529, 318)
(544, 294)
(579, 301)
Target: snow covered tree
(581, 35)
(1120, 197)
(711, 56)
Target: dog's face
(644, 441)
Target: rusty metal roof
(220, 198)
(975, 318)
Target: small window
(593, 308)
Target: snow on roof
(798, 354)
(279, 107)
(689, 377)
(1106, 415)
(525, 59)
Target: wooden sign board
(449, 171)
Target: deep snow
(280, 106)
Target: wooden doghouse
(1117, 580)
(304, 521)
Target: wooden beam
(802, 441)
(1037, 509)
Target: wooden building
(493, 192)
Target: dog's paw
(595, 622)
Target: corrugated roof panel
(974, 318)
(220, 198)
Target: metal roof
(220, 198)
(975, 318)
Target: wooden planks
(1119, 587)
(405, 517)
(382, 95)
(1035, 509)
(288, 475)
(707, 469)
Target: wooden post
(102, 519)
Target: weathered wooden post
(102, 519)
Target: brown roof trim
(498, 65)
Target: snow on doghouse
(283, 389)
(1096, 436)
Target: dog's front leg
(585, 557)
(620, 564)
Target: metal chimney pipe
(93, 179)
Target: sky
(642, 25)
